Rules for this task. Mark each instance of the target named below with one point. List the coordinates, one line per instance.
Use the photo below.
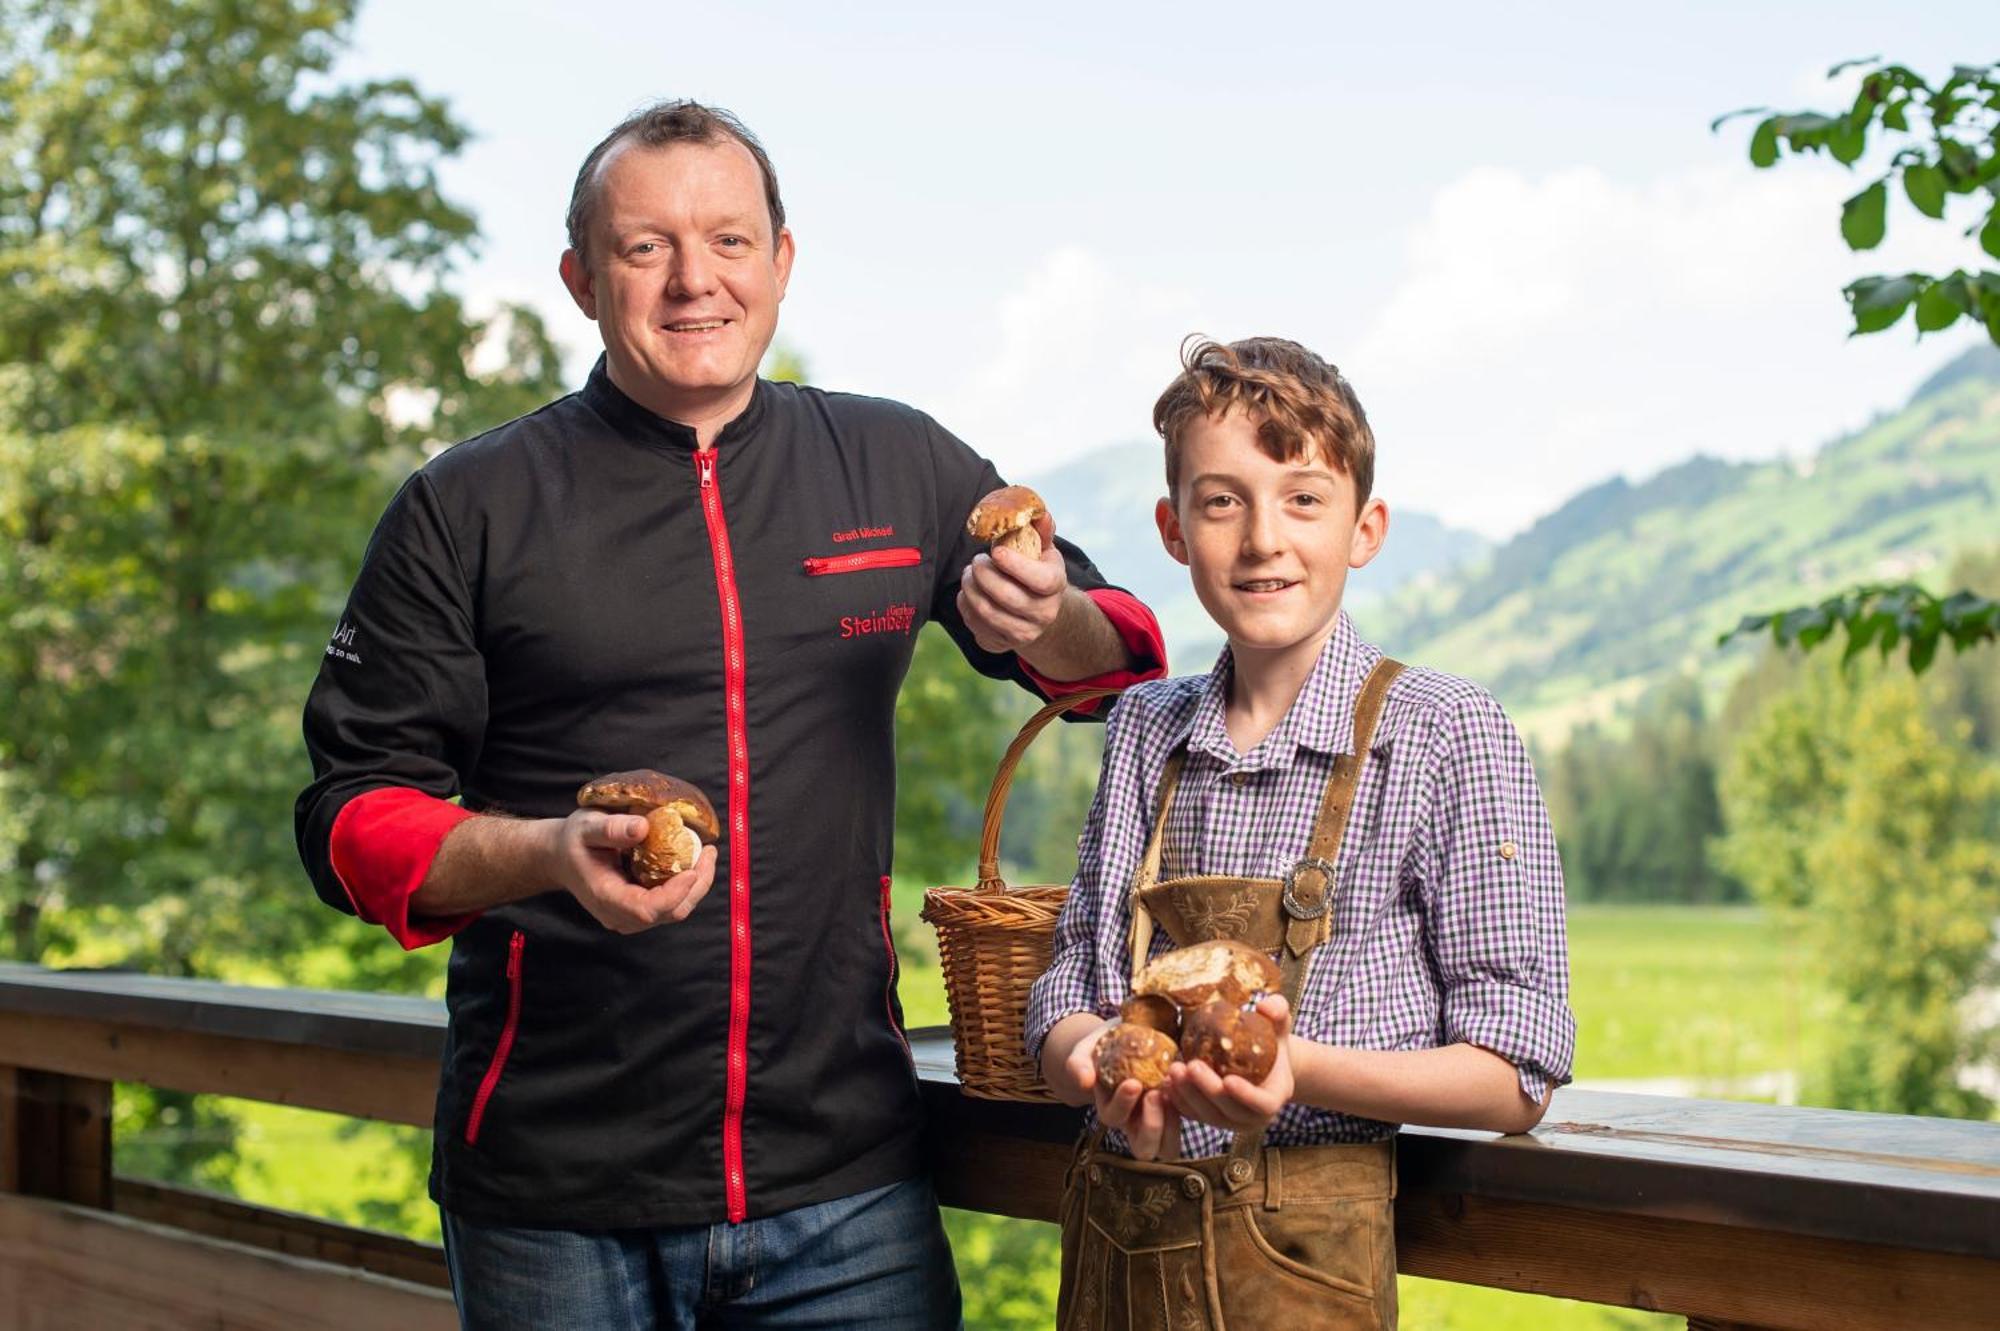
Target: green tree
(1875, 836)
(1634, 813)
(1947, 150)
(226, 333)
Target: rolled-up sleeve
(1494, 899)
(1087, 968)
(393, 723)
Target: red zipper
(889, 989)
(901, 556)
(739, 838)
(515, 945)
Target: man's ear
(582, 287)
(781, 258)
(1371, 528)
(1171, 535)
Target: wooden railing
(1728, 1214)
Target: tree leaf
(1864, 218)
(1989, 235)
(1877, 302)
(1936, 309)
(1924, 184)
(1847, 140)
(1896, 115)
(1764, 144)
(1922, 649)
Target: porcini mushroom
(1131, 1051)
(1220, 968)
(678, 817)
(1230, 1039)
(1007, 517)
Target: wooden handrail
(1756, 1214)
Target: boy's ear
(1171, 536)
(1371, 528)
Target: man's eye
(644, 247)
(732, 242)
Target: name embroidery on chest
(899, 617)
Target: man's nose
(692, 273)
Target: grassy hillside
(1628, 584)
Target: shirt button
(1508, 850)
(1239, 779)
(1194, 1185)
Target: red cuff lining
(1137, 629)
(382, 845)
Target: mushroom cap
(1231, 1039)
(1136, 1052)
(1007, 509)
(1219, 968)
(643, 790)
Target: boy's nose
(1262, 533)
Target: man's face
(1268, 543)
(683, 275)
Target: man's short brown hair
(656, 126)
(1301, 404)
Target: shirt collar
(637, 422)
(1321, 718)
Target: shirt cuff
(1144, 643)
(382, 845)
(1532, 1029)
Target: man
(661, 1106)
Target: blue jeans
(876, 1259)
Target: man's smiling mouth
(695, 325)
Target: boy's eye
(1218, 501)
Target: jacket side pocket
(505, 1045)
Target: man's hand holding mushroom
(1016, 597)
(638, 851)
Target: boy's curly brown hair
(1302, 405)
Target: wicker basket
(994, 943)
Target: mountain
(1104, 501)
(1628, 584)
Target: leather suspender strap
(1310, 886)
(1311, 883)
(1149, 864)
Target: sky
(1510, 226)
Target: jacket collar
(636, 422)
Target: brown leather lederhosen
(1264, 1236)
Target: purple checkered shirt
(1448, 923)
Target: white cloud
(1553, 331)
(1081, 353)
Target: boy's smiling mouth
(1265, 584)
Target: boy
(1421, 940)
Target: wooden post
(1712, 1324)
(55, 1136)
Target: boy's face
(1268, 543)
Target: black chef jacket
(579, 592)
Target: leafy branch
(1882, 615)
(1949, 138)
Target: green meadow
(1700, 996)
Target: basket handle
(1003, 779)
